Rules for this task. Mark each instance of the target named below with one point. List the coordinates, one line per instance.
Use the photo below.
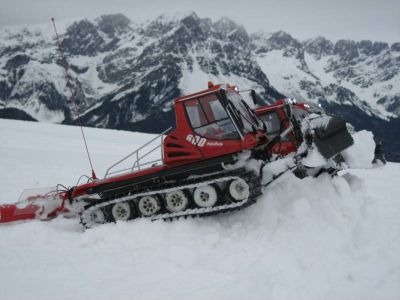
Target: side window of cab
(272, 122)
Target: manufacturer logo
(215, 144)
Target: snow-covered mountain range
(126, 74)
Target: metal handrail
(138, 159)
(136, 163)
(130, 169)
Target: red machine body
(186, 145)
(204, 131)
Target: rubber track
(251, 179)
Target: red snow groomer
(204, 167)
(198, 173)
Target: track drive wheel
(94, 218)
(205, 196)
(149, 205)
(122, 211)
(238, 190)
(176, 201)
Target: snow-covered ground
(316, 238)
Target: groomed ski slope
(316, 238)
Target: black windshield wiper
(231, 111)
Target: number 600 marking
(196, 140)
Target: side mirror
(254, 97)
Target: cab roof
(210, 90)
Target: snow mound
(303, 234)
(361, 153)
(316, 238)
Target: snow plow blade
(333, 138)
(43, 203)
(11, 212)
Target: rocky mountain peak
(226, 25)
(82, 38)
(395, 47)
(162, 24)
(318, 47)
(350, 50)
(229, 29)
(114, 24)
(280, 40)
(193, 24)
(190, 17)
(371, 48)
(346, 49)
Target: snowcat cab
(210, 123)
(276, 119)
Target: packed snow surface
(316, 238)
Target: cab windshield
(209, 119)
(243, 110)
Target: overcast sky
(335, 19)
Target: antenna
(65, 64)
